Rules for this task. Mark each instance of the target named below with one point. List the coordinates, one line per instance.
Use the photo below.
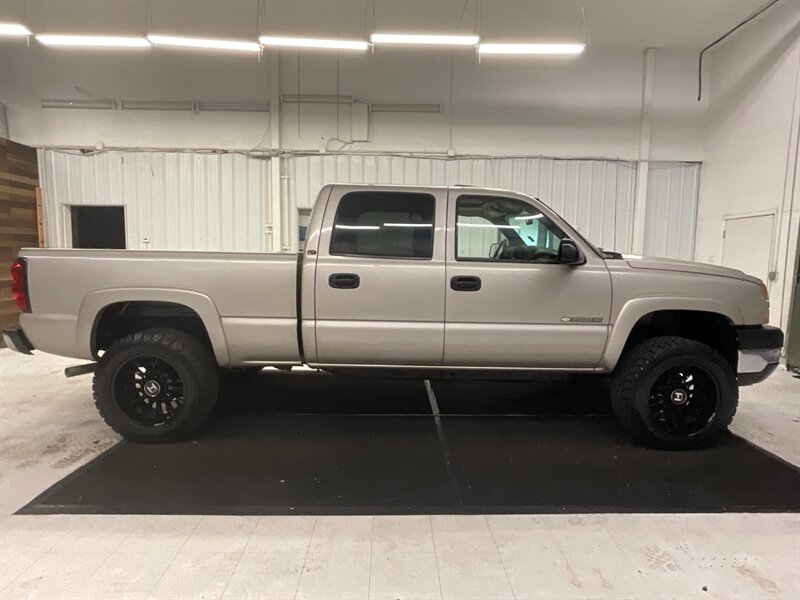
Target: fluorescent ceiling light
(529, 217)
(93, 41)
(13, 29)
(96, 104)
(424, 40)
(292, 42)
(408, 224)
(416, 108)
(203, 43)
(531, 48)
(361, 227)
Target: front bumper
(16, 340)
(759, 353)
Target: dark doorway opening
(98, 226)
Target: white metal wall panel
(172, 200)
(218, 201)
(596, 196)
(671, 215)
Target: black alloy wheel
(148, 390)
(156, 385)
(674, 393)
(683, 400)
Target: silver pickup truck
(427, 280)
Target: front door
(509, 303)
(379, 283)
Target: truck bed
(250, 299)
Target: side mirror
(568, 253)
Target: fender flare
(635, 309)
(94, 303)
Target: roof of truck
(406, 186)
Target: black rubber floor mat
(573, 396)
(321, 444)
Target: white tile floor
(48, 427)
(518, 556)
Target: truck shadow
(310, 392)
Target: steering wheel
(539, 252)
(499, 249)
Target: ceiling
(625, 24)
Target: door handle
(465, 283)
(344, 281)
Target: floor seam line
(563, 554)
(371, 546)
(100, 566)
(621, 549)
(7, 585)
(435, 557)
(236, 566)
(172, 561)
(500, 556)
(305, 558)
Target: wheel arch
(711, 322)
(189, 311)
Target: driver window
(504, 229)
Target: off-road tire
(639, 369)
(194, 363)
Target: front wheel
(674, 393)
(156, 385)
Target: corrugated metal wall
(173, 200)
(208, 201)
(670, 220)
(596, 196)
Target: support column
(643, 153)
(276, 212)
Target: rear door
(509, 302)
(379, 281)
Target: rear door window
(384, 224)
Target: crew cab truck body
(423, 279)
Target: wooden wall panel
(19, 222)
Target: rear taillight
(19, 285)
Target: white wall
(568, 107)
(132, 76)
(185, 201)
(572, 108)
(587, 106)
(595, 196)
(750, 155)
(219, 201)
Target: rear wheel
(674, 393)
(156, 385)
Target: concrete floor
(49, 427)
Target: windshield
(598, 251)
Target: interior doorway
(98, 227)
